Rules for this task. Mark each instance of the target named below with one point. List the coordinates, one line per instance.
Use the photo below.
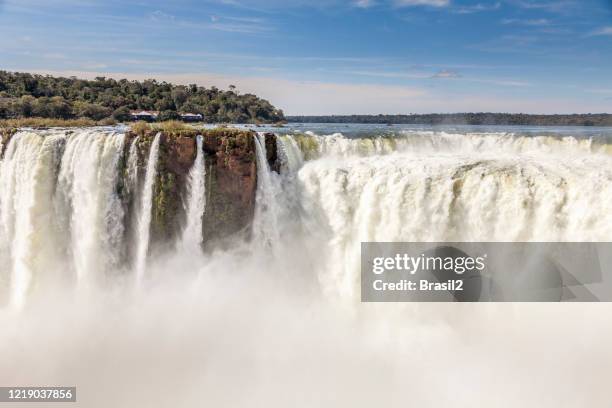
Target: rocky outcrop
(272, 152)
(5, 135)
(231, 181)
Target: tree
(26, 95)
(60, 108)
(168, 115)
(122, 114)
(91, 110)
(179, 96)
(25, 106)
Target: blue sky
(333, 56)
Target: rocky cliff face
(5, 135)
(231, 181)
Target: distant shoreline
(473, 119)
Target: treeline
(600, 119)
(25, 95)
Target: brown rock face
(5, 137)
(272, 153)
(181, 152)
(176, 156)
(231, 182)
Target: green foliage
(90, 110)
(140, 128)
(169, 115)
(170, 128)
(174, 127)
(121, 114)
(25, 95)
(46, 122)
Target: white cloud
(500, 82)
(602, 31)
(476, 8)
(432, 3)
(446, 74)
(528, 22)
(564, 7)
(230, 24)
(159, 15)
(364, 3)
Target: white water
(289, 330)
(292, 156)
(146, 206)
(132, 167)
(27, 173)
(86, 194)
(196, 201)
(265, 222)
(424, 142)
(441, 187)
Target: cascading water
(27, 174)
(442, 187)
(86, 195)
(60, 197)
(196, 201)
(293, 158)
(132, 167)
(265, 223)
(146, 207)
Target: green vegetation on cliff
(491, 119)
(24, 95)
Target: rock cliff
(231, 181)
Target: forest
(24, 95)
(491, 119)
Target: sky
(318, 57)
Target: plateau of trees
(491, 119)
(24, 95)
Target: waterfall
(474, 188)
(292, 156)
(196, 201)
(265, 222)
(132, 167)
(73, 202)
(146, 207)
(87, 198)
(67, 195)
(27, 174)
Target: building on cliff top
(148, 116)
(191, 117)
